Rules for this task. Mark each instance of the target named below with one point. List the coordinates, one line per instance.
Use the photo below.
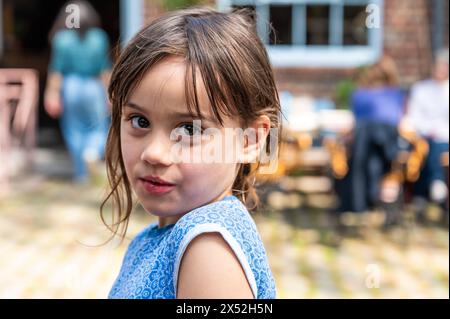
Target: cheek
(130, 152)
(207, 177)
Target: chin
(160, 208)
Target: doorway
(26, 24)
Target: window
(316, 33)
(355, 31)
(281, 19)
(317, 25)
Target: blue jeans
(84, 121)
(432, 169)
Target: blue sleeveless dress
(151, 263)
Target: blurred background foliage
(179, 4)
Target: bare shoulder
(210, 269)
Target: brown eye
(139, 122)
(190, 129)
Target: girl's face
(156, 108)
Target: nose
(157, 150)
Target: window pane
(317, 25)
(281, 20)
(355, 31)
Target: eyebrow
(176, 114)
(135, 106)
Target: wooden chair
(18, 117)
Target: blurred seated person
(378, 106)
(379, 98)
(428, 115)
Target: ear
(255, 137)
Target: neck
(164, 221)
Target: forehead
(163, 88)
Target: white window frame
(334, 55)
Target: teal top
(73, 55)
(151, 263)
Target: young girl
(189, 67)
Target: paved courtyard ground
(51, 247)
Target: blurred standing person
(428, 115)
(78, 73)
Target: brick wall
(315, 82)
(151, 10)
(407, 37)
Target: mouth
(156, 185)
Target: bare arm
(210, 269)
(52, 95)
(105, 76)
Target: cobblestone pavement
(51, 247)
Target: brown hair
(235, 69)
(89, 18)
(382, 73)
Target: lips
(156, 180)
(156, 185)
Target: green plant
(343, 92)
(179, 4)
